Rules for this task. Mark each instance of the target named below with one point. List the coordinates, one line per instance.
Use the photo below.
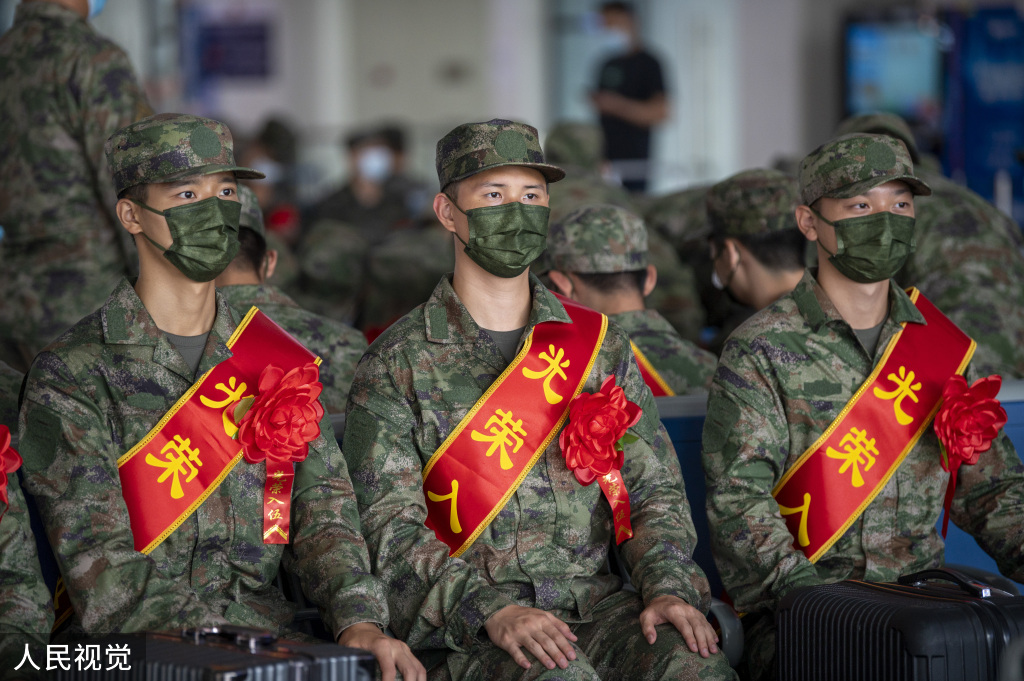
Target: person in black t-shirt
(630, 98)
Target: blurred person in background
(629, 97)
(65, 90)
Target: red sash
(832, 483)
(186, 456)
(651, 376)
(481, 464)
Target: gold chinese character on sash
(905, 387)
(231, 395)
(276, 487)
(504, 432)
(554, 368)
(858, 450)
(453, 519)
(804, 510)
(179, 460)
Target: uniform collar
(647, 319)
(818, 309)
(49, 10)
(255, 294)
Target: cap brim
(917, 186)
(551, 173)
(240, 172)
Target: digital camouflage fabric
(547, 547)
(170, 146)
(751, 203)
(10, 386)
(598, 238)
(473, 147)
(97, 391)
(65, 90)
(26, 607)
(251, 215)
(572, 143)
(332, 262)
(852, 164)
(784, 376)
(338, 345)
(685, 367)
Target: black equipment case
(227, 653)
(915, 630)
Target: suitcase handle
(966, 584)
(247, 638)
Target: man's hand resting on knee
(544, 635)
(390, 652)
(690, 622)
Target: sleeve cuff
(468, 618)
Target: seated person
(802, 489)
(244, 284)
(156, 520)
(600, 260)
(757, 251)
(492, 551)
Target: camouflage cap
(881, 124)
(852, 164)
(473, 147)
(252, 216)
(575, 144)
(600, 238)
(752, 202)
(168, 147)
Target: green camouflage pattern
(879, 123)
(852, 164)
(784, 376)
(753, 202)
(10, 386)
(599, 238)
(684, 367)
(170, 146)
(332, 259)
(473, 147)
(287, 272)
(26, 607)
(547, 548)
(338, 345)
(65, 90)
(252, 214)
(573, 143)
(96, 392)
(681, 217)
(610, 646)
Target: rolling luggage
(930, 626)
(225, 653)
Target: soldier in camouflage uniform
(65, 90)
(243, 284)
(579, 149)
(106, 382)
(784, 377)
(599, 255)
(968, 259)
(757, 251)
(10, 386)
(534, 586)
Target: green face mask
(204, 236)
(872, 247)
(505, 239)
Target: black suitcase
(914, 630)
(225, 653)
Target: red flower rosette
(277, 427)
(10, 461)
(592, 444)
(966, 423)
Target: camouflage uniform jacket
(94, 393)
(685, 367)
(26, 609)
(547, 548)
(10, 386)
(784, 376)
(338, 345)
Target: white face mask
(716, 280)
(615, 40)
(95, 7)
(375, 163)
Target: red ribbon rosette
(592, 444)
(277, 427)
(967, 423)
(10, 461)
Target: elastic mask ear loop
(158, 212)
(452, 201)
(827, 222)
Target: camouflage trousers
(759, 662)
(48, 285)
(609, 648)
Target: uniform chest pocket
(581, 518)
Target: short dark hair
(137, 193)
(624, 7)
(615, 282)
(781, 250)
(252, 252)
